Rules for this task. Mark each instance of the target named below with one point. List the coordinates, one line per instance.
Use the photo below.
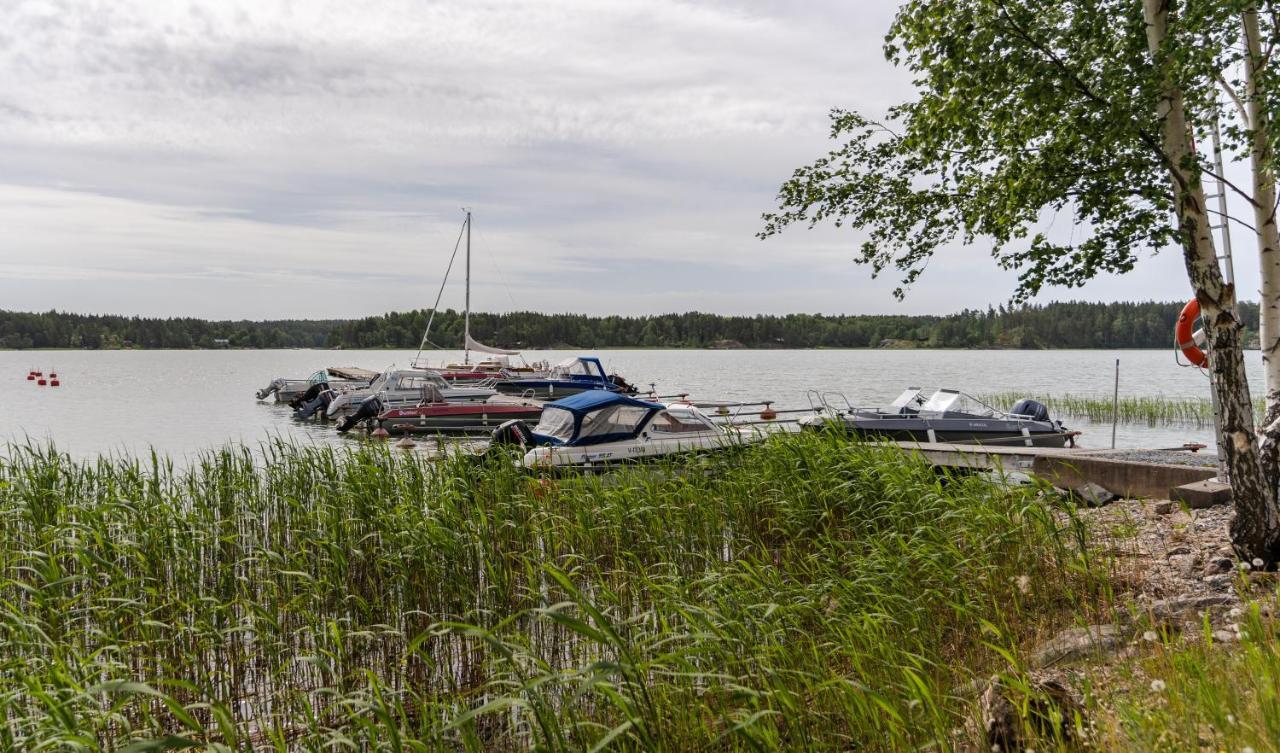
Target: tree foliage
(1025, 111)
(1054, 325)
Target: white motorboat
(600, 428)
(400, 388)
(288, 390)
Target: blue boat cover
(613, 422)
(585, 402)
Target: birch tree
(1090, 109)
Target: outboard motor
(624, 386)
(311, 394)
(369, 408)
(513, 433)
(270, 389)
(318, 403)
(1032, 409)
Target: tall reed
(804, 594)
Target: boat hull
(455, 418)
(548, 389)
(637, 450)
(949, 430)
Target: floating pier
(1127, 473)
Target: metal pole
(1115, 406)
(466, 326)
(1228, 275)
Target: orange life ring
(1183, 337)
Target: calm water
(181, 402)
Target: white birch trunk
(1264, 211)
(1255, 529)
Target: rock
(1201, 494)
(1093, 495)
(1164, 507)
(1077, 643)
(1224, 636)
(1185, 565)
(1219, 582)
(1217, 566)
(1052, 710)
(1226, 551)
(1180, 549)
(1187, 606)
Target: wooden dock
(1128, 473)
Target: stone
(1188, 606)
(1164, 507)
(1224, 636)
(1077, 643)
(1219, 582)
(1217, 566)
(1185, 565)
(1093, 495)
(1177, 550)
(1051, 711)
(1201, 494)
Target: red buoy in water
(42, 381)
(53, 380)
(31, 376)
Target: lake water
(181, 402)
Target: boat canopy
(593, 417)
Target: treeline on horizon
(1052, 325)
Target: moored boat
(288, 390)
(568, 377)
(600, 428)
(442, 417)
(946, 416)
(405, 387)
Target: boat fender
(1184, 338)
(1033, 409)
(511, 433)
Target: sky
(288, 159)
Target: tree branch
(1244, 116)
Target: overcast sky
(260, 159)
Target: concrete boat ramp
(1177, 474)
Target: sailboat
(499, 367)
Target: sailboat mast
(466, 342)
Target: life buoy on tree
(1184, 336)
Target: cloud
(246, 158)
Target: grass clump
(807, 594)
(1154, 410)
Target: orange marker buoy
(380, 433)
(768, 414)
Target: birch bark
(1255, 529)
(1268, 235)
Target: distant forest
(1051, 325)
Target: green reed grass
(807, 594)
(1155, 410)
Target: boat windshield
(909, 396)
(616, 419)
(679, 421)
(574, 367)
(556, 423)
(420, 382)
(954, 401)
